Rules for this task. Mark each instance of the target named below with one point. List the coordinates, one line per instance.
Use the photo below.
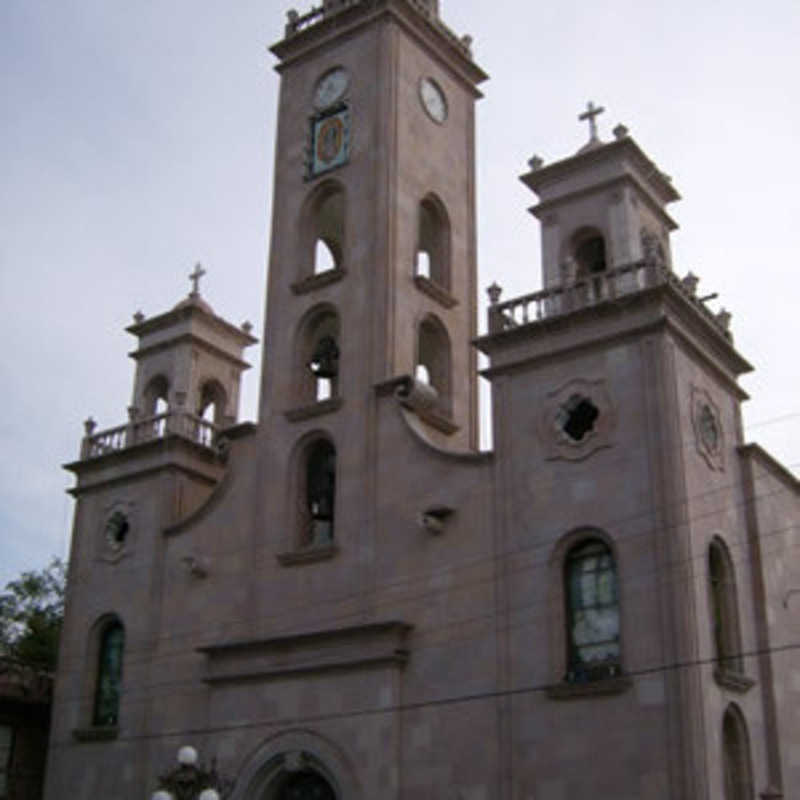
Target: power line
(286, 722)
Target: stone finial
(494, 292)
(466, 42)
(723, 318)
(535, 162)
(247, 326)
(689, 282)
(138, 317)
(291, 22)
(620, 132)
(89, 426)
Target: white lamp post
(190, 780)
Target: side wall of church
(551, 498)
(774, 506)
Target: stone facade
(349, 600)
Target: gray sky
(137, 138)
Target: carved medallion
(708, 430)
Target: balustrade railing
(296, 23)
(138, 431)
(601, 287)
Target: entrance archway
(297, 765)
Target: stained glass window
(109, 675)
(724, 615)
(592, 612)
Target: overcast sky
(137, 138)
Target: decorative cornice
(376, 644)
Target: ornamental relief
(577, 419)
(708, 431)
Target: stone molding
(314, 282)
(377, 644)
(434, 290)
(733, 680)
(308, 555)
(314, 409)
(573, 691)
(96, 733)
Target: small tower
(625, 385)
(134, 481)
(189, 360)
(601, 208)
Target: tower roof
(599, 163)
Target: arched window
(588, 249)
(433, 364)
(319, 494)
(592, 612)
(724, 608)
(736, 763)
(323, 230)
(317, 365)
(156, 396)
(433, 242)
(109, 674)
(212, 402)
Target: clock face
(331, 87)
(433, 99)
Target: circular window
(117, 529)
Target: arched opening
(724, 608)
(432, 260)
(324, 259)
(323, 230)
(422, 375)
(589, 252)
(433, 365)
(317, 377)
(109, 674)
(156, 396)
(211, 402)
(319, 494)
(736, 762)
(591, 612)
(303, 785)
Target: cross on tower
(194, 277)
(591, 112)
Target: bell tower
(373, 239)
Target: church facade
(349, 600)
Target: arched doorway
(297, 765)
(303, 785)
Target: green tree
(31, 611)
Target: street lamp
(190, 780)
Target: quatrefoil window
(577, 416)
